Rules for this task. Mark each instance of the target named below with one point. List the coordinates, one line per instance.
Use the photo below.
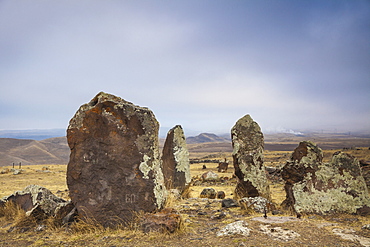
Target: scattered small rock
(221, 195)
(229, 203)
(349, 234)
(236, 228)
(279, 233)
(16, 171)
(208, 193)
(210, 176)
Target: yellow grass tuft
(17, 216)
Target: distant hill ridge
(206, 137)
(56, 151)
(31, 152)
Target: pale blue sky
(202, 64)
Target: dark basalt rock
(314, 187)
(208, 193)
(175, 160)
(229, 203)
(114, 168)
(248, 146)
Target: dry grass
(54, 179)
(16, 217)
(195, 230)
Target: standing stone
(314, 187)
(175, 160)
(114, 168)
(248, 145)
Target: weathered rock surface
(236, 228)
(222, 166)
(114, 168)
(279, 233)
(168, 220)
(257, 204)
(220, 194)
(314, 187)
(210, 177)
(175, 160)
(229, 203)
(208, 193)
(248, 146)
(39, 202)
(275, 219)
(365, 170)
(350, 234)
(274, 174)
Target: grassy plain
(202, 218)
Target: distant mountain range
(56, 151)
(206, 137)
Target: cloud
(201, 64)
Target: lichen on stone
(247, 140)
(324, 188)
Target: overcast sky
(203, 64)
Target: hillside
(32, 152)
(205, 137)
(56, 151)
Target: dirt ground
(202, 218)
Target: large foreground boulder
(175, 160)
(314, 187)
(114, 168)
(248, 146)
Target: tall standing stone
(248, 146)
(114, 166)
(315, 187)
(175, 160)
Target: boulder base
(168, 220)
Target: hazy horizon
(41, 134)
(291, 65)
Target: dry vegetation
(201, 217)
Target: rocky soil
(202, 225)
